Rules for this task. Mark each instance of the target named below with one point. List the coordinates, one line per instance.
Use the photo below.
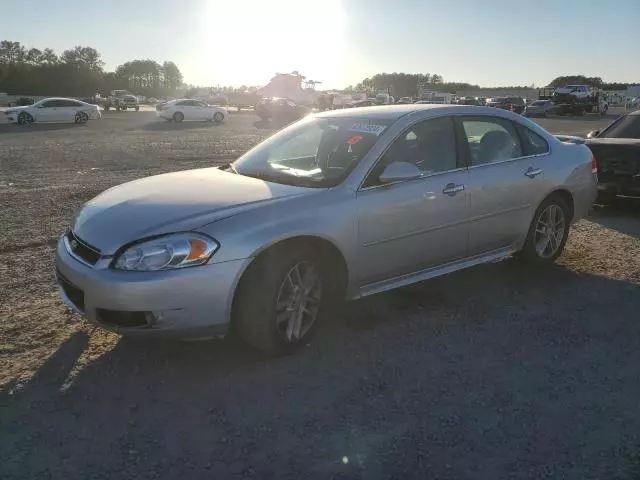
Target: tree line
(78, 72)
(407, 84)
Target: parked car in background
(539, 108)
(469, 101)
(280, 109)
(404, 100)
(58, 110)
(514, 104)
(187, 109)
(340, 205)
(617, 152)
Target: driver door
(413, 225)
(47, 111)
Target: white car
(59, 110)
(189, 109)
(581, 92)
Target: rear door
(67, 109)
(506, 180)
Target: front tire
(548, 232)
(280, 300)
(218, 117)
(178, 117)
(25, 119)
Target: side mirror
(399, 172)
(593, 133)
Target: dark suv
(507, 103)
(280, 109)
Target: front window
(315, 152)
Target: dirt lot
(496, 372)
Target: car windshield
(627, 126)
(315, 152)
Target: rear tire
(280, 300)
(178, 117)
(81, 118)
(548, 232)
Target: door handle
(452, 189)
(533, 172)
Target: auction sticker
(367, 128)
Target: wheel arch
(565, 195)
(328, 251)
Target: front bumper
(11, 117)
(187, 303)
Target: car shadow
(164, 126)
(471, 362)
(623, 216)
(38, 127)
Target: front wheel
(81, 118)
(280, 300)
(218, 117)
(178, 117)
(25, 119)
(548, 232)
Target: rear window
(624, 127)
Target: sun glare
(247, 42)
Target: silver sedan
(339, 205)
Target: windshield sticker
(355, 139)
(366, 128)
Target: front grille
(82, 250)
(73, 293)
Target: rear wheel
(178, 117)
(280, 300)
(25, 119)
(81, 117)
(218, 117)
(548, 232)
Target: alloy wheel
(298, 302)
(550, 231)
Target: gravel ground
(495, 372)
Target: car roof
(393, 112)
(61, 98)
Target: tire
(270, 281)
(218, 117)
(178, 117)
(81, 118)
(25, 119)
(535, 250)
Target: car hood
(172, 202)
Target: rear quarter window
(532, 143)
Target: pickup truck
(121, 100)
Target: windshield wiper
(230, 167)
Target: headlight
(168, 252)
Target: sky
(341, 42)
